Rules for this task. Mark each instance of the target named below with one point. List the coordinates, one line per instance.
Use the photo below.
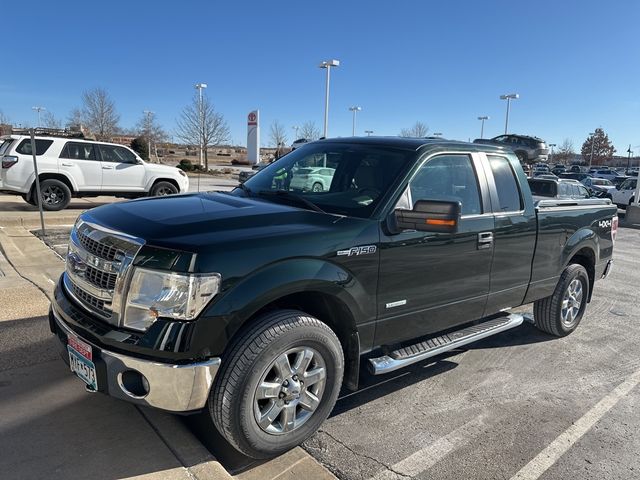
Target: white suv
(70, 167)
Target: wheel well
(587, 259)
(51, 176)
(335, 314)
(170, 180)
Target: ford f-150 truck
(259, 304)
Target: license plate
(81, 361)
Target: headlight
(154, 294)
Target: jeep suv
(73, 167)
(527, 149)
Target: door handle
(485, 240)
(66, 164)
(107, 167)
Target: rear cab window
(78, 151)
(508, 191)
(42, 146)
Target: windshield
(345, 179)
(601, 181)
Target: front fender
(231, 309)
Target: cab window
(509, 197)
(78, 151)
(448, 178)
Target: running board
(435, 346)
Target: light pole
(551, 157)
(327, 64)
(508, 97)
(296, 128)
(628, 160)
(368, 132)
(355, 110)
(200, 87)
(482, 119)
(437, 134)
(149, 114)
(38, 109)
(593, 140)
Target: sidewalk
(47, 420)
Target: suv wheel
(560, 313)
(55, 195)
(161, 189)
(278, 383)
(317, 187)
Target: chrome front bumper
(175, 388)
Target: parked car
(299, 143)
(619, 180)
(314, 179)
(563, 189)
(574, 176)
(245, 175)
(74, 167)
(624, 194)
(258, 305)
(575, 169)
(601, 185)
(527, 149)
(558, 169)
(607, 173)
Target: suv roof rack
(49, 132)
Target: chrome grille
(100, 279)
(89, 299)
(97, 268)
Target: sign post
(253, 137)
(35, 169)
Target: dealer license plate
(81, 361)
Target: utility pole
(628, 159)
(482, 119)
(200, 87)
(551, 145)
(354, 109)
(508, 97)
(149, 115)
(593, 140)
(327, 65)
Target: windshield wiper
(291, 196)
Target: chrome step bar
(435, 346)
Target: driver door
(121, 170)
(432, 281)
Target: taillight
(614, 228)
(9, 161)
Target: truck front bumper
(171, 387)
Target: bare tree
(49, 120)
(418, 130)
(75, 118)
(4, 120)
(209, 130)
(310, 131)
(277, 134)
(565, 152)
(99, 113)
(149, 129)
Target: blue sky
(575, 64)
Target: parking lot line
(550, 455)
(428, 456)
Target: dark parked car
(574, 176)
(256, 306)
(561, 189)
(527, 149)
(245, 175)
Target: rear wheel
(55, 194)
(278, 383)
(317, 187)
(560, 313)
(161, 189)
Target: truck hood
(194, 222)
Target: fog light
(133, 383)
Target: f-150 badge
(366, 250)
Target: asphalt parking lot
(567, 405)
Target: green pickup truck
(258, 305)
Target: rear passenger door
(78, 160)
(514, 234)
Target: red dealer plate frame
(81, 361)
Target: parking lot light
(551, 156)
(327, 64)
(368, 132)
(200, 87)
(508, 97)
(38, 109)
(354, 109)
(593, 140)
(482, 119)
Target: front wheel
(317, 187)
(560, 313)
(161, 189)
(55, 194)
(277, 384)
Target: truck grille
(98, 260)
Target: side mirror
(429, 216)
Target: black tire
(549, 314)
(161, 189)
(55, 194)
(317, 187)
(250, 361)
